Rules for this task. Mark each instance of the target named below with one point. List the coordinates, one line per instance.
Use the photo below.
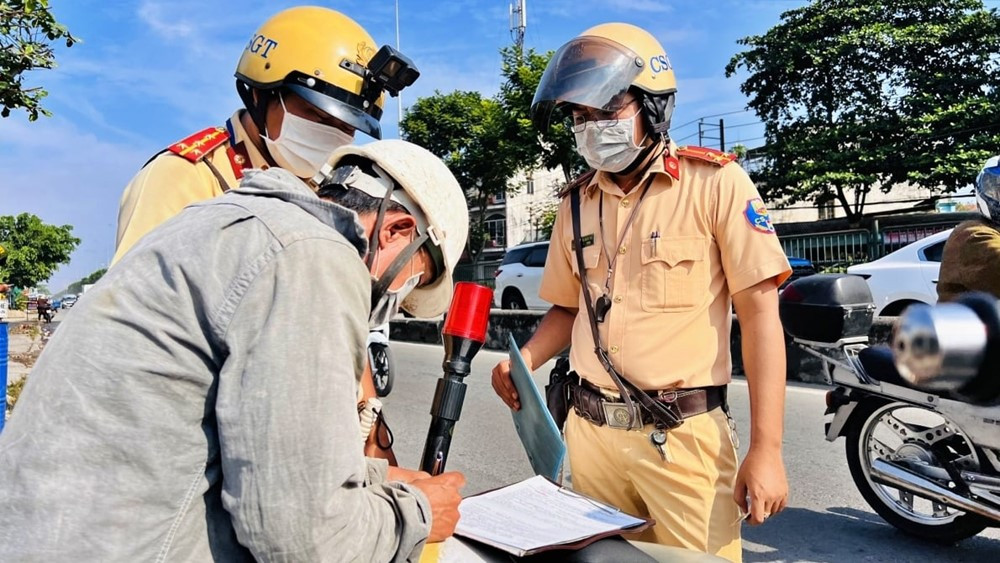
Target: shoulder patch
(197, 146)
(713, 156)
(758, 217)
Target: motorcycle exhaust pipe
(888, 473)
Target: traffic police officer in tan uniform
(302, 78)
(307, 85)
(971, 259)
(671, 238)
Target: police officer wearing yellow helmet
(309, 78)
(664, 241)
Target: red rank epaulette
(717, 158)
(197, 146)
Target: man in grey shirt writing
(200, 402)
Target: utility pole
(704, 129)
(518, 15)
(399, 96)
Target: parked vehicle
(800, 269)
(927, 462)
(380, 359)
(520, 275)
(906, 276)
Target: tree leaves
(486, 142)
(34, 249)
(859, 95)
(27, 27)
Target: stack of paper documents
(536, 515)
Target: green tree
(27, 30)
(77, 287)
(33, 249)
(468, 132)
(859, 95)
(554, 148)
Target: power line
(697, 119)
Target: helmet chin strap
(389, 275)
(257, 108)
(640, 158)
(658, 111)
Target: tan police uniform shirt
(696, 240)
(971, 261)
(169, 183)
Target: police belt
(593, 404)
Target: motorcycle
(927, 461)
(380, 359)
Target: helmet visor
(343, 105)
(587, 71)
(988, 183)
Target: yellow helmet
(597, 67)
(326, 58)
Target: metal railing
(836, 250)
(830, 250)
(482, 273)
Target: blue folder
(541, 438)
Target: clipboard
(535, 426)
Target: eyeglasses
(602, 119)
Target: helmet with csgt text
(430, 193)
(319, 54)
(599, 66)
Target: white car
(906, 276)
(520, 275)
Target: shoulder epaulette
(197, 146)
(581, 181)
(713, 156)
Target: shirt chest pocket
(675, 273)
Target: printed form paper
(536, 513)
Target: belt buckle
(668, 396)
(616, 416)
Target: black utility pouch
(557, 391)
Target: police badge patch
(758, 217)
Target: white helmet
(432, 195)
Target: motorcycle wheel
(896, 431)
(383, 367)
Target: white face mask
(303, 146)
(388, 305)
(609, 147)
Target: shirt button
(622, 249)
(618, 299)
(624, 203)
(614, 349)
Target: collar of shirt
(279, 183)
(605, 182)
(239, 135)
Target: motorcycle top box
(827, 307)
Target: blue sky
(151, 72)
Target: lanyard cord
(621, 238)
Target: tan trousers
(690, 495)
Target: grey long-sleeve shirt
(198, 403)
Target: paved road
(827, 519)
